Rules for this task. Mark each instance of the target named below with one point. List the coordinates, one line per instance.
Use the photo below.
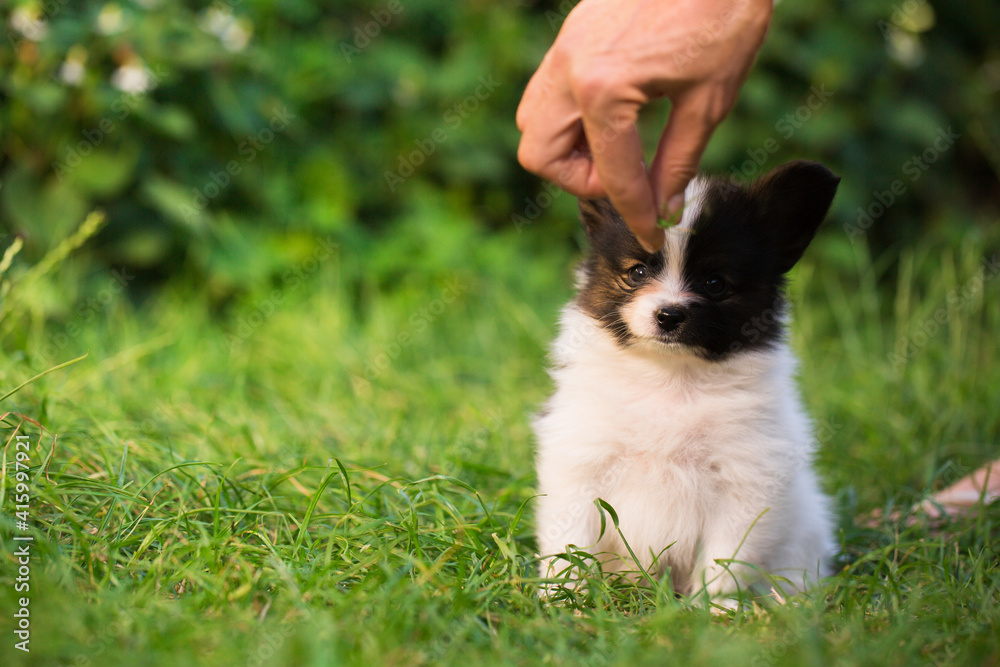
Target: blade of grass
(42, 374)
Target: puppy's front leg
(729, 560)
(563, 520)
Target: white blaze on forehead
(671, 281)
(669, 286)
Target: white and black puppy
(675, 396)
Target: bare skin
(611, 57)
(967, 495)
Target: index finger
(609, 112)
(617, 154)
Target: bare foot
(964, 496)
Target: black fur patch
(744, 240)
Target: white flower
(110, 20)
(132, 77)
(73, 69)
(28, 20)
(904, 47)
(72, 72)
(237, 35)
(215, 20)
(234, 33)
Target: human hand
(578, 114)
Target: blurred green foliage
(222, 140)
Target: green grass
(346, 479)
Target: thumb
(693, 118)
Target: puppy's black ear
(792, 202)
(597, 215)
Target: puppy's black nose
(669, 318)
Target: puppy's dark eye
(637, 275)
(715, 286)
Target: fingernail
(675, 209)
(676, 204)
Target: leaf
(606, 506)
(105, 171)
(42, 374)
(47, 207)
(184, 206)
(174, 121)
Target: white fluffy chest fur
(704, 462)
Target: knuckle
(529, 157)
(575, 179)
(627, 192)
(593, 85)
(587, 189)
(521, 119)
(681, 171)
(717, 111)
(714, 105)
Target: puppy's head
(715, 289)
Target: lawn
(335, 467)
